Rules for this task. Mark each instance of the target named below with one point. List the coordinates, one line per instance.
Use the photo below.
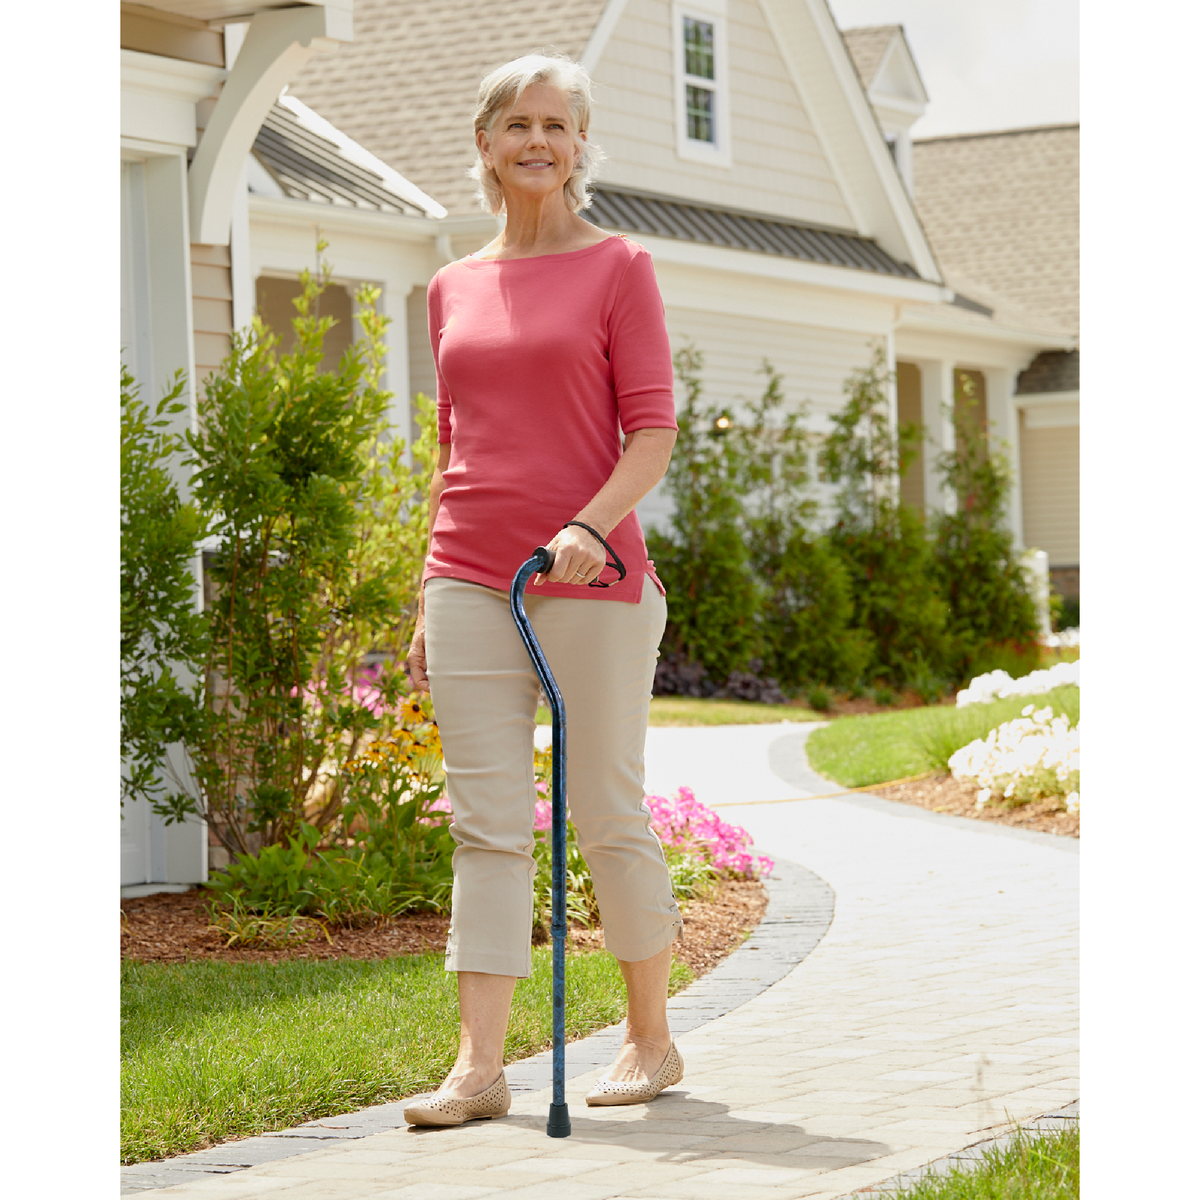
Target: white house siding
(778, 164)
(1050, 489)
(363, 246)
(814, 362)
(422, 375)
(212, 306)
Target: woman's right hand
(415, 659)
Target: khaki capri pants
(484, 689)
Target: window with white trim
(702, 84)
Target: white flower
(998, 685)
(1072, 802)
(1035, 755)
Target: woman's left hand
(578, 557)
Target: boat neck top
(542, 364)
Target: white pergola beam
(278, 43)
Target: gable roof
(867, 45)
(306, 158)
(405, 87)
(1002, 211)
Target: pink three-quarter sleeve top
(542, 363)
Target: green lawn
(213, 1050)
(859, 751)
(1030, 1168)
(684, 710)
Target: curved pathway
(941, 1003)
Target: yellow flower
(411, 708)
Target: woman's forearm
(644, 462)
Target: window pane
(698, 48)
(700, 124)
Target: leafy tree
(881, 542)
(704, 560)
(806, 607)
(992, 619)
(164, 637)
(320, 531)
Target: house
(764, 159)
(1002, 212)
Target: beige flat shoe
(450, 1110)
(670, 1073)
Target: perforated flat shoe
(451, 1110)
(606, 1092)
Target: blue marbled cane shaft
(559, 1122)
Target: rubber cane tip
(559, 1122)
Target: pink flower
(685, 823)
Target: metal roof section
(661, 216)
(1051, 371)
(311, 160)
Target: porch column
(937, 409)
(1004, 428)
(893, 401)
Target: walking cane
(558, 1123)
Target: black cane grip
(547, 559)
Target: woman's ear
(485, 148)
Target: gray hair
(503, 87)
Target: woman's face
(532, 144)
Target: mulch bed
(843, 706)
(944, 793)
(172, 927)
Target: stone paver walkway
(941, 1003)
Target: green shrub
(1018, 658)
(890, 564)
(991, 616)
(163, 637)
(321, 526)
(703, 560)
(807, 617)
(881, 542)
(819, 698)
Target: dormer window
(702, 85)
(699, 79)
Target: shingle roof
(867, 45)
(1002, 209)
(311, 161)
(405, 87)
(661, 216)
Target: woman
(549, 343)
